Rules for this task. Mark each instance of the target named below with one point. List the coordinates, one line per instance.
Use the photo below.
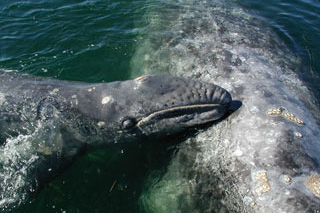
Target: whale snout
(176, 91)
(177, 103)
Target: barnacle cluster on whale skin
(287, 179)
(313, 184)
(280, 112)
(263, 185)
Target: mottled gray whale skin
(49, 121)
(256, 160)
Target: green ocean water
(96, 41)
(297, 22)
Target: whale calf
(45, 123)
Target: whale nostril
(128, 123)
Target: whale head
(157, 104)
(178, 103)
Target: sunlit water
(100, 41)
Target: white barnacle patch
(2, 98)
(138, 84)
(238, 153)
(146, 57)
(247, 200)
(298, 134)
(91, 89)
(106, 100)
(101, 123)
(54, 91)
(254, 109)
(74, 99)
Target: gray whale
(45, 123)
(262, 158)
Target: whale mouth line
(178, 111)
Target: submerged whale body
(46, 122)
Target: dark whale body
(47, 122)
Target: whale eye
(128, 123)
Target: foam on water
(22, 158)
(16, 157)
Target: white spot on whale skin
(2, 98)
(238, 153)
(106, 100)
(74, 99)
(54, 91)
(146, 57)
(101, 123)
(90, 89)
(3, 201)
(254, 110)
(138, 82)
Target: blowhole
(128, 123)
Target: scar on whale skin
(106, 100)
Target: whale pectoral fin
(55, 149)
(73, 144)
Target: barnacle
(313, 183)
(277, 112)
(263, 183)
(287, 179)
